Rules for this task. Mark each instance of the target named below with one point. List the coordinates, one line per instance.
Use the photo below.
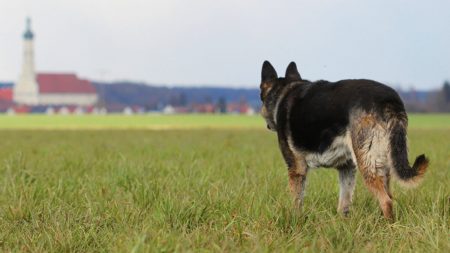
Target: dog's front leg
(347, 186)
(297, 183)
(297, 170)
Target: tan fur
(371, 146)
(264, 112)
(297, 180)
(415, 181)
(422, 169)
(265, 88)
(296, 185)
(377, 185)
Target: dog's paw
(346, 212)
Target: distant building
(50, 88)
(5, 96)
(168, 109)
(65, 89)
(204, 108)
(240, 108)
(6, 91)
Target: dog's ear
(268, 73)
(292, 72)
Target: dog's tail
(407, 175)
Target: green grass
(220, 190)
(157, 122)
(115, 121)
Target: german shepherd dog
(344, 124)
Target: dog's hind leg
(387, 184)
(377, 185)
(347, 186)
(371, 146)
(377, 181)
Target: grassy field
(161, 122)
(204, 184)
(149, 122)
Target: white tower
(26, 89)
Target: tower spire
(28, 34)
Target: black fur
(320, 111)
(268, 73)
(399, 155)
(340, 124)
(313, 114)
(292, 72)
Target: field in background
(219, 184)
(116, 121)
(186, 121)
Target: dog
(347, 124)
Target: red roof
(6, 94)
(63, 83)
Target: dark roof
(6, 85)
(64, 83)
(38, 109)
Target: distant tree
(243, 100)
(183, 99)
(173, 100)
(441, 101)
(178, 99)
(222, 105)
(207, 99)
(446, 91)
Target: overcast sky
(215, 42)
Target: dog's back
(319, 112)
(369, 113)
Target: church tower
(26, 90)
